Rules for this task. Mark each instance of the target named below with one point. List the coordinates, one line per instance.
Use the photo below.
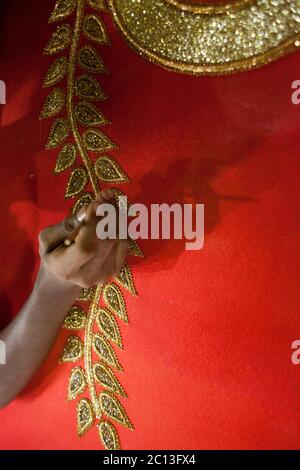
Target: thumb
(54, 235)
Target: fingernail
(107, 194)
(81, 214)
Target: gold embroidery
(97, 4)
(77, 383)
(56, 72)
(95, 30)
(66, 158)
(126, 280)
(105, 351)
(96, 141)
(62, 9)
(135, 250)
(89, 89)
(73, 350)
(89, 60)
(75, 319)
(85, 416)
(113, 297)
(88, 294)
(111, 406)
(214, 43)
(109, 326)
(60, 40)
(78, 181)
(54, 103)
(105, 376)
(108, 436)
(59, 131)
(211, 9)
(108, 170)
(88, 115)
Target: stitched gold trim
(210, 9)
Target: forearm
(30, 336)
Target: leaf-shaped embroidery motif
(88, 88)
(105, 376)
(111, 406)
(56, 72)
(96, 141)
(125, 278)
(105, 351)
(135, 250)
(66, 158)
(73, 350)
(89, 115)
(97, 4)
(75, 319)
(113, 297)
(108, 170)
(78, 181)
(95, 30)
(59, 132)
(85, 416)
(60, 39)
(89, 60)
(108, 436)
(62, 9)
(109, 326)
(83, 201)
(77, 383)
(54, 103)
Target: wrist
(47, 285)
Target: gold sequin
(95, 30)
(105, 351)
(108, 170)
(89, 60)
(62, 9)
(66, 158)
(114, 299)
(108, 436)
(210, 9)
(77, 383)
(135, 250)
(73, 350)
(96, 141)
(88, 294)
(56, 72)
(111, 406)
(201, 43)
(97, 4)
(89, 115)
(54, 103)
(109, 326)
(75, 319)
(60, 39)
(88, 88)
(60, 130)
(84, 201)
(125, 278)
(85, 416)
(77, 182)
(105, 376)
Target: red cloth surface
(207, 352)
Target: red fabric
(207, 352)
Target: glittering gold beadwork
(84, 201)
(97, 4)
(88, 294)
(73, 350)
(105, 376)
(60, 130)
(75, 319)
(114, 299)
(60, 40)
(209, 42)
(135, 250)
(107, 323)
(62, 9)
(125, 278)
(56, 72)
(96, 141)
(108, 436)
(88, 88)
(66, 158)
(54, 103)
(210, 9)
(95, 30)
(111, 406)
(89, 115)
(108, 170)
(77, 383)
(105, 351)
(78, 181)
(85, 416)
(89, 60)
